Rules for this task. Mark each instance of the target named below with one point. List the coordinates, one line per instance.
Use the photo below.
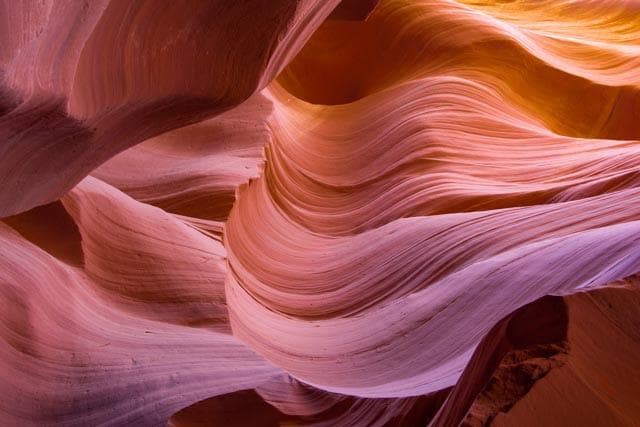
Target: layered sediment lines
(369, 213)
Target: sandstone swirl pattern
(356, 213)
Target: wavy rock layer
(356, 213)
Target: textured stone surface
(311, 212)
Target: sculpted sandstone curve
(319, 213)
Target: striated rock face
(313, 212)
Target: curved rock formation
(305, 212)
(106, 75)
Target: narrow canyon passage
(319, 213)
